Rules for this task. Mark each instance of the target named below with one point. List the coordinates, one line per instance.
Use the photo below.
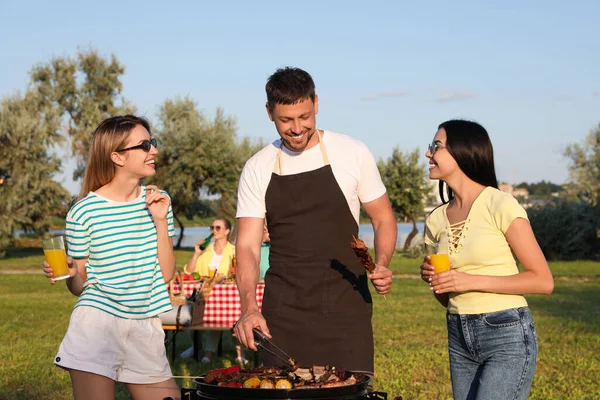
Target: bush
(567, 230)
(416, 249)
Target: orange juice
(440, 262)
(211, 273)
(58, 262)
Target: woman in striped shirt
(120, 249)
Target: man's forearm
(247, 280)
(385, 236)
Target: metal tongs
(265, 343)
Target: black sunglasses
(146, 145)
(433, 147)
(215, 228)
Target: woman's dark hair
(470, 145)
(289, 86)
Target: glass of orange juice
(211, 272)
(56, 256)
(440, 262)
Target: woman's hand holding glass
(427, 269)
(49, 272)
(451, 281)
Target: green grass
(410, 336)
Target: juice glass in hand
(440, 262)
(56, 256)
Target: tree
(197, 155)
(540, 189)
(407, 186)
(86, 90)
(29, 127)
(584, 168)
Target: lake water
(193, 234)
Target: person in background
(214, 261)
(119, 237)
(492, 340)
(264, 254)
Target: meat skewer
(362, 252)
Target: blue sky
(387, 72)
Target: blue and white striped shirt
(119, 239)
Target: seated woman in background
(215, 260)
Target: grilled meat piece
(319, 371)
(350, 381)
(333, 384)
(304, 373)
(362, 252)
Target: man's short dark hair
(289, 85)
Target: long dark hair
(469, 144)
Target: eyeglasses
(215, 228)
(433, 147)
(146, 145)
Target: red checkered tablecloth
(188, 287)
(223, 304)
(222, 308)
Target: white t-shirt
(215, 261)
(353, 166)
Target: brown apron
(317, 302)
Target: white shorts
(124, 350)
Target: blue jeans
(493, 355)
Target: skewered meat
(362, 252)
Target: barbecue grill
(205, 391)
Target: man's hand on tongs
(247, 322)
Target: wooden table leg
(197, 346)
(173, 345)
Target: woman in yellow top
(217, 256)
(492, 341)
(214, 260)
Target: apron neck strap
(277, 167)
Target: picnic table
(222, 309)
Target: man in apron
(309, 185)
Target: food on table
(362, 252)
(282, 378)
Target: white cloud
(454, 95)
(388, 93)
